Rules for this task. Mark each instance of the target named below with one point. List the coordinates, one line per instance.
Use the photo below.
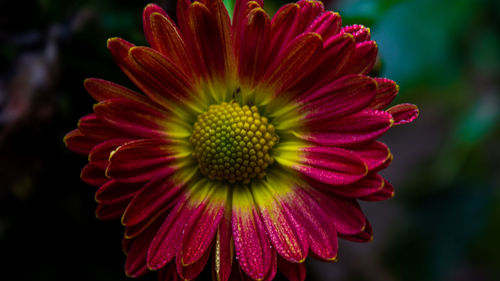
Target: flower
(250, 146)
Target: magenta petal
(403, 113)
(135, 264)
(374, 154)
(368, 185)
(114, 191)
(284, 231)
(111, 210)
(93, 175)
(360, 127)
(366, 235)
(99, 155)
(359, 32)
(166, 242)
(199, 231)
(313, 217)
(363, 58)
(383, 194)
(168, 273)
(132, 117)
(292, 271)
(190, 272)
(326, 25)
(331, 165)
(342, 97)
(146, 15)
(79, 143)
(158, 194)
(223, 249)
(386, 92)
(250, 240)
(346, 215)
(141, 160)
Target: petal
(209, 45)
(346, 214)
(147, 25)
(284, 28)
(339, 98)
(359, 32)
(383, 194)
(168, 41)
(363, 58)
(158, 194)
(102, 90)
(403, 113)
(114, 191)
(326, 25)
(374, 154)
(190, 272)
(309, 11)
(313, 217)
(135, 264)
(337, 51)
(360, 127)
(141, 160)
(93, 175)
(79, 143)
(99, 155)
(132, 117)
(292, 271)
(366, 235)
(168, 273)
(199, 231)
(270, 274)
(331, 165)
(250, 239)
(294, 62)
(160, 79)
(166, 242)
(368, 185)
(96, 129)
(223, 248)
(285, 233)
(253, 45)
(386, 92)
(112, 210)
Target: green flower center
(233, 143)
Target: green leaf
(229, 6)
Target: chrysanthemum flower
(250, 144)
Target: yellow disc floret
(232, 142)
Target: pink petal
(250, 239)
(403, 113)
(359, 32)
(285, 233)
(312, 216)
(114, 191)
(199, 231)
(326, 25)
(383, 194)
(366, 235)
(374, 154)
(363, 58)
(79, 143)
(342, 97)
(166, 242)
(102, 90)
(346, 215)
(223, 248)
(111, 210)
(252, 46)
(386, 92)
(331, 165)
(364, 187)
(99, 155)
(360, 127)
(93, 175)
(159, 194)
(146, 20)
(141, 160)
(135, 264)
(191, 271)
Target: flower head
(250, 144)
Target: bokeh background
(443, 224)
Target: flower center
(232, 142)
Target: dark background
(443, 224)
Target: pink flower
(250, 145)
